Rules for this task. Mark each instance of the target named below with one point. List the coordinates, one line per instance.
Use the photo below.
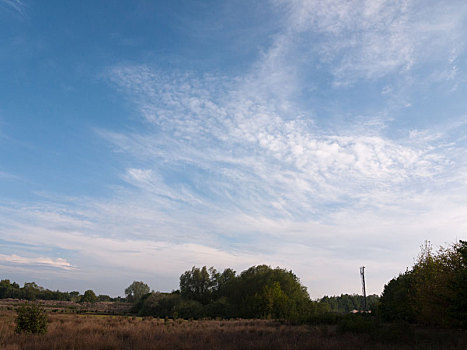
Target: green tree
(103, 297)
(275, 302)
(397, 299)
(262, 289)
(433, 292)
(458, 287)
(88, 297)
(158, 304)
(31, 290)
(9, 290)
(199, 284)
(223, 283)
(347, 302)
(74, 296)
(136, 290)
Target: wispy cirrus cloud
(258, 162)
(15, 5)
(8, 176)
(240, 139)
(371, 39)
(242, 170)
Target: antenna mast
(362, 275)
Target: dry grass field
(67, 331)
(78, 331)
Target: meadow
(71, 330)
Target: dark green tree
(9, 290)
(199, 284)
(88, 297)
(396, 303)
(74, 296)
(136, 290)
(458, 287)
(158, 304)
(31, 290)
(103, 297)
(433, 292)
(262, 291)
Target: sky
(141, 138)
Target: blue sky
(140, 138)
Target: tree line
(346, 303)
(258, 292)
(32, 291)
(433, 292)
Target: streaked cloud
(371, 39)
(58, 263)
(273, 165)
(16, 5)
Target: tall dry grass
(69, 331)
(119, 332)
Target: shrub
(358, 324)
(399, 332)
(189, 308)
(328, 318)
(31, 319)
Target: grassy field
(87, 331)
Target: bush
(358, 324)
(31, 319)
(399, 332)
(189, 308)
(328, 318)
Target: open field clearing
(71, 331)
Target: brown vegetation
(70, 328)
(52, 306)
(68, 331)
(119, 332)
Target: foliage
(68, 331)
(458, 287)
(136, 290)
(346, 303)
(88, 297)
(259, 292)
(31, 318)
(158, 304)
(104, 298)
(358, 323)
(188, 309)
(262, 292)
(32, 291)
(396, 300)
(203, 284)
(433, 292)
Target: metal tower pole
(362, 274)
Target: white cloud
(250, 143)
(374, 38)
(268, 179)
(235, 171)
(58, 263)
